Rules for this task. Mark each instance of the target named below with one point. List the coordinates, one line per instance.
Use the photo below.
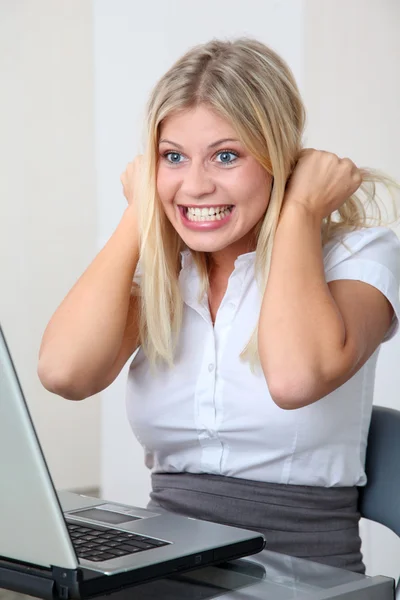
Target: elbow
(290, 393)
(61, 383)
(298, 385)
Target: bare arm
(95, 329)
(313, 336)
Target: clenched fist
(322, 182)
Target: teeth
(208, 213)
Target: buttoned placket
(209, 388)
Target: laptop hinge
(26, 579)
(66, 582)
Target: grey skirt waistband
(316, 523)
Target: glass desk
(265, 576)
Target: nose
(197, 181)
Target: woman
(259, 304)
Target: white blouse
(211, 414)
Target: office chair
(379, 500)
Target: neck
(223, 260)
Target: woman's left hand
(321, 182)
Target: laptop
(68, 545)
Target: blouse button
(211, 367)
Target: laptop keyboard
(97, 544)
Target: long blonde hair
(253, 88)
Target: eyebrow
(213, 145)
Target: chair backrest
(379, 500)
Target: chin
(210, 242)
(204, 246)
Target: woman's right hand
(130, 178)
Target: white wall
(352, 53)
(134, 45)
(47, 206)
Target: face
(212, 190)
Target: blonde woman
(257, 291)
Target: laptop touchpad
(104, 516)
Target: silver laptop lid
(32, 527)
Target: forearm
(301, 335)
(84, 335)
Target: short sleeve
(371, 255)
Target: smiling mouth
(206, 213)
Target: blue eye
(173, 157)
(226, 157)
